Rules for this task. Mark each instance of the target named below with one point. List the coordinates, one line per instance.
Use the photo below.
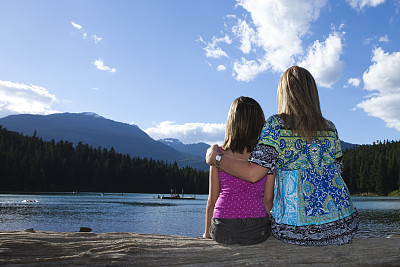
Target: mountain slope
(198, 149)
(97, 131)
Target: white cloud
(270, 36)
(188, 133)
(279, 27)
(96, 39)
(221, 68)
(79, 28)
(382, 78)
(213, 50)
(361, 4)
(323, 60)
(76, 26)
(17, 98)
(247, 70)
(99, 64)
(246, 35)
(355, 82)
(384, 39)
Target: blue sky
(173, 67)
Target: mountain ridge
(95, 130)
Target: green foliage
(395, 193)
(373, 168)
(31, 164)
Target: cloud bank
(189, 133)
(270, 37)
(383, 80)
(18, 98)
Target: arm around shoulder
(243, 169)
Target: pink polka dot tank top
(239, 199)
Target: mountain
(94, 130)
(345, 146)
(198, 149)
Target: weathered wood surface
(42, 248)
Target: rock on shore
(42, 248)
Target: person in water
(238, 211)
(312, 204)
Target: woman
(237, 210)
(312, 204)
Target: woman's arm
(269, 193)
(242, 169)
(213, 194)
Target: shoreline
(44, 248)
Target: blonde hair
(244, 124)
(298, 103)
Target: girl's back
(239, 199)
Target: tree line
(373, 168)
(31, 164)
(27, 163)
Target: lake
(144, 213)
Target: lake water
(143, 213)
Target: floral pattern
(309, 190)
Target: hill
(94, 130)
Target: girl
(312, 204)
(237, 211)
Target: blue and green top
(311, 200)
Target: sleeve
(338, 152)
(266, 151)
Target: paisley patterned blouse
(312, 204)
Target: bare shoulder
(244, 156)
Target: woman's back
(297, 153)
(239, 199)
(309, 189)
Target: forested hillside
(373, 168)
(31, 164)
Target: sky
(173, 67)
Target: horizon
(165, 139)
(174, 67)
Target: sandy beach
(43, 248)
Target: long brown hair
(244, 124)
(298, 103)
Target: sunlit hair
(244, 124)
(298, 103)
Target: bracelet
(218, 160)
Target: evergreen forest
(373, 169)
(32, 165)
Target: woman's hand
(206, 236)
(211, 153)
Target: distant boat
(29, 200)
(176, 197)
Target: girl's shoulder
(245, 155)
